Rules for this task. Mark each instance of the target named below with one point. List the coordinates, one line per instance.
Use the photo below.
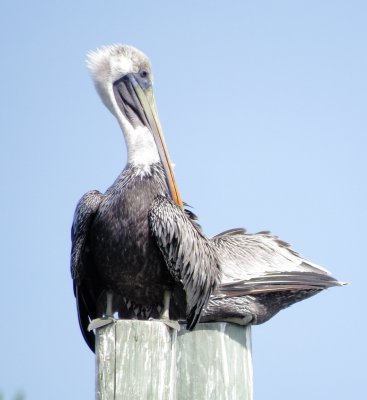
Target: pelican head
(123, 78)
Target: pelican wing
(244, 256)
(259, 263)
(286, 281)
(189, 255)
(84, 286)
(260, 275)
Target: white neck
(141, 148)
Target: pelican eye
(143, 78)
(143, 73)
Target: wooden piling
(214, 362)
(138, 360)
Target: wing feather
(189, 255)
(260, 275)
(243, 256)
(84, 285)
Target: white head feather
(108, 64)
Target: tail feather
(278, 282)
(84, 319)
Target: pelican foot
(168, 322)
(171, 324)
(100, 322)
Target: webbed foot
(170, 323)
(100, 322)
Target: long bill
(140, 102)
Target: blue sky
(263, 107)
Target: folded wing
(189, 255)
(260, 275)
(84, 283)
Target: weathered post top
(137, 360)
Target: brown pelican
(137, 251)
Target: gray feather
(260, 275)
(84, 289)
(189, 255)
